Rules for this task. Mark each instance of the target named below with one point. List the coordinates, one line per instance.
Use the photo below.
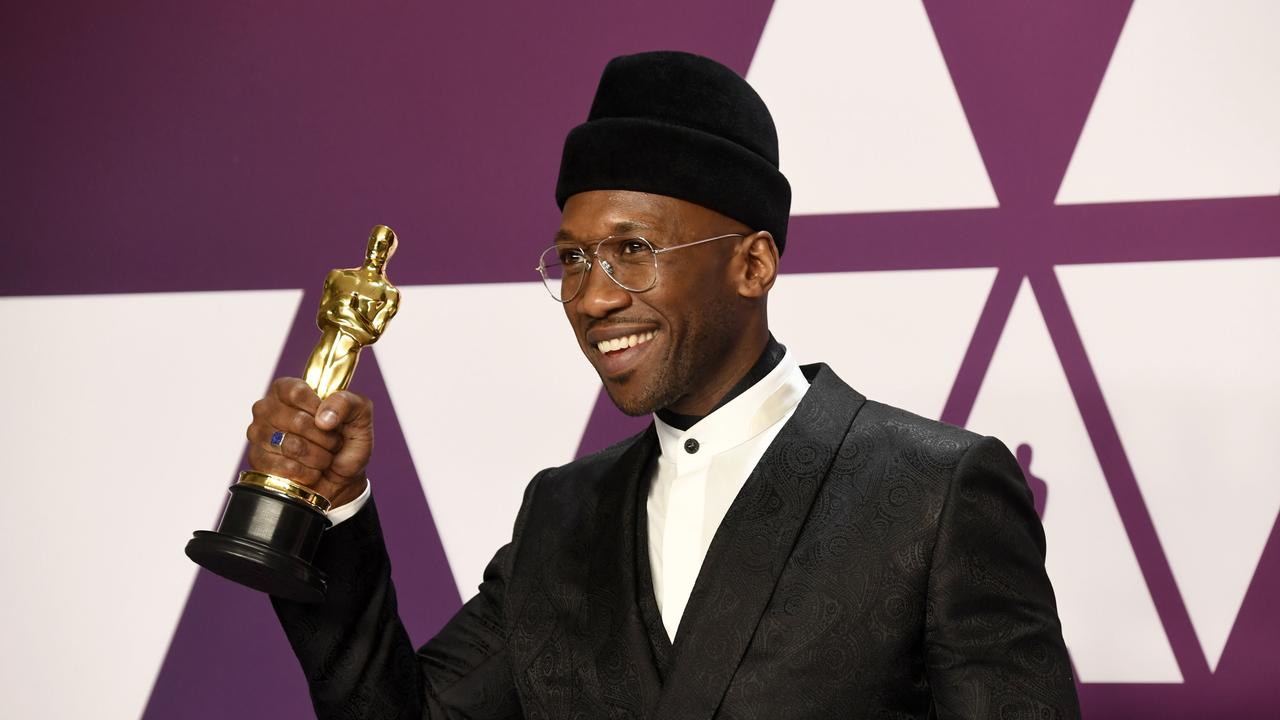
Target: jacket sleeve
(357, 657)
(993, 642)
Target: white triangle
(1188, 108)
(868, 118)
(1187, 356)
(1108, 618)
(125, 415)
(896, 336)
(489, 387)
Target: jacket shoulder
(885, 431)
(876, 414)
(894, 427)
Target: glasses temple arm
(659, 251)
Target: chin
(635, 399)
(642, 390)
(632, 404)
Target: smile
(623, 343)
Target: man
(773, 545)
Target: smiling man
(773, 545)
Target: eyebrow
(625, 227)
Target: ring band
(277, 440)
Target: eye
(632, 246)
(572, 256)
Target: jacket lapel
(751, 548)
(578, 645)
(625, 669)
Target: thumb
(343, 408)
(352, 416)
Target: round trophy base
(265, 541)
(257, 566)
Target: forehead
(598, 213)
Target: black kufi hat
(685, 126)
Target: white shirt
(691, 491)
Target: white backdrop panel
(1188, 108)
(868, 118)
(128, 413)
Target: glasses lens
(563, 269)
(631, 262)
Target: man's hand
(326, 444)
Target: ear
(760, 264)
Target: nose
(600, 295)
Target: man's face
(685, 326)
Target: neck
(767, 359)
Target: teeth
(622, 343)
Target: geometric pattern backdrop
(1058, 223)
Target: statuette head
(382, 245)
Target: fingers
(295, 393)
(293, 446)
(306, 451)
(270, 415)
(273, 463)
(327, 444)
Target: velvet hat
(685, 126)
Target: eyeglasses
(631, 262)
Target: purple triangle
(1026, 74)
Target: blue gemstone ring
(277, 440)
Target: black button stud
(691, 446)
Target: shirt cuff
(342, 513)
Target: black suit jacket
(876, 564)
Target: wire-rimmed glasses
(630, 261)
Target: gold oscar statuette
(271, 526)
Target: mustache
(606, 323)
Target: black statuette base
(265, 541)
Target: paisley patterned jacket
(875, 565)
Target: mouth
(620, 344)
(620, 354)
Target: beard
(710, 336)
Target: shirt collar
(753, 411)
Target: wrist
(349, 492)
(340, 514)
